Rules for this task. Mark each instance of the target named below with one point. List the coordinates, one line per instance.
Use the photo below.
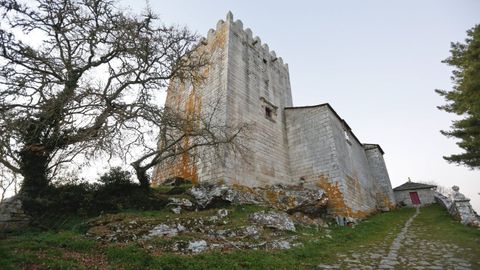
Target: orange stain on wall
(336, 200)
(185, 165)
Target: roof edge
(408, 186)
(369, 146)
(333, 111)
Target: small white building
(414, 194)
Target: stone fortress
(310, 145)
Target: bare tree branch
(89, 85)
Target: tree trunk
(34, 164)
(142, 177)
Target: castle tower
(248, 84)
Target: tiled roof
(413, 185)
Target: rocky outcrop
(209, 195)
(295, 198)
(179, 204)
(165, 230)
(198, 231)
(275, 220)
(197, 246)
(291, 199)
(12, 216)
(220, 217)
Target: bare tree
(183, 133)
(8, 182)
(92, 77)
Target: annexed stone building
(312, 145)
(414, 194)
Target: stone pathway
(406, 251)
(391, 259)
(417, 253)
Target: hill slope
(431, 239)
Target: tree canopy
(77, 77)
(81, 78)
(464, 99)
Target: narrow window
(268, 112)
(347, 138)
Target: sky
(376, 62)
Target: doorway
(414, 197)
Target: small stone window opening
(264, 60)
(347, 137)
(268, 113)
(269, 110)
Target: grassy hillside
(70, 249)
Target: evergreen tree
(464, 99)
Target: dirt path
(408, 250)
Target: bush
(118, 192)
(116, 177)
(115, 192)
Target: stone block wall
(378, 168)
(459, 207)
(247, 79)
(200, 99)
(311, 146)
(443, 200)
(360, 190)
(257, 81)
(12, 216)
(323, 151)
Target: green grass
(128, 257)
(238, 214)
(440, 226)
(45, 250)
(436, 225)
(166, 188)
(312, 253)
(61, 250)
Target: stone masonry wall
(380, 173)
(459, 207)
(204, 99)
(247, 78)
(257, 81)
(12, 216)
(311, 146)
(324, 152)
(359, 184)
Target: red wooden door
(414, 197)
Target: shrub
(115, 192)
(116, 177)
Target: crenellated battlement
(254, 41)
(246, 36)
